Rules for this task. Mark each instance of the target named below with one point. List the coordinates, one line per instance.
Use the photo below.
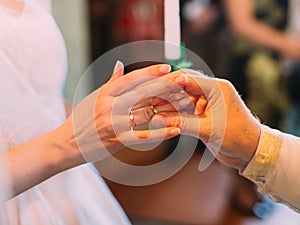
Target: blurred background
(253, 43)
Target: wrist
(65, 145)
(265, 157)
(246, 143)
(35, 161)
(253, 142)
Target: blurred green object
(181, 63)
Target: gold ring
(131, 118)
(154, 110)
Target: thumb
(200, 84)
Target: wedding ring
(154, 110)
(131, 119)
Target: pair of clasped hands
(168, 103)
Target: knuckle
(148, 113)
(225, 84)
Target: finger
(177, 96)
(179, 101)
(143, 103)
(201, 105)
(143, 115)
(155, 88)
(118, 71)
(183, 100)
(188, 124)
(170, 119)
(162, 87)
(137, 77)
(199, 84)
(166, 107)
(189, 104)
(184, 104)
(148, 136)
(148, 102)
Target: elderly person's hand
(220, 119)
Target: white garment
(275, 167)
(32, 74)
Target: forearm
(275, 167)
(32, 163)
(264, 35)
(242, 22)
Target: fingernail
(184, 102)
(181, 79)
(165, 69)
(175, 131)
(119, 66)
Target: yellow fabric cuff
(266, 156)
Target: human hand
(143, 111)
(101, 122)
(291, 49)
(220, 119)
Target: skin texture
(33, 162)
(216, 102)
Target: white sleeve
(275, 167)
